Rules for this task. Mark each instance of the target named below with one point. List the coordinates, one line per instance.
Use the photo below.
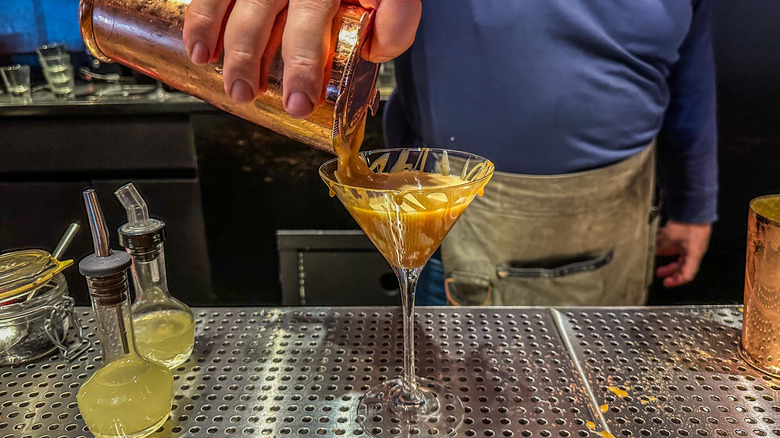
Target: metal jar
(146, 35)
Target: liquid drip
(592, 427)
(165, 336)
(647, 400)
(130, 397)
(617, 391)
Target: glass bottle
(128, 396)
(164, 326)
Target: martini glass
(407, 224)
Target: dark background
(251, 182)
(747, 55)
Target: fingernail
(199, 54)
(241, 92)
(299, 105)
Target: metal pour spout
(97, 224)
(105, 271)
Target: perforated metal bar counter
(522, 372)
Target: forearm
(688, 155)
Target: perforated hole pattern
(300, 373)
(680, 371)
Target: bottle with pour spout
(164, 326)
(128, 396)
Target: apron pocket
(468, 289)
(573, 280)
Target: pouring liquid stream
(353, 170)
(415, 210)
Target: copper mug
(147, 36)
(760, 343)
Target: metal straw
(62, 246)
(66, 240)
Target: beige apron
(579, 239)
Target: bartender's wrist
(691, 208)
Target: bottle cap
(94, 266)
(140, 231)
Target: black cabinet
(334, 268)
(51, 154)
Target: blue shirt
(558, 86)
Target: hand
(688, 242)
(304, 42)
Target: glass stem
(407, 279)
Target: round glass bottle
(164, 326)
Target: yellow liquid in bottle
(166, 336)
(128, 398)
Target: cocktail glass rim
(329, 177)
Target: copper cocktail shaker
(146, 35)
(760, 343)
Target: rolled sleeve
(688, 138)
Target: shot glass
(52, 49)
(17, 81)
(760, 343)
(58, 72)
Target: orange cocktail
(408, 225)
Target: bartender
(571, 100)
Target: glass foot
(386, 411)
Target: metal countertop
(521, 372)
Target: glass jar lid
(24, 270)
